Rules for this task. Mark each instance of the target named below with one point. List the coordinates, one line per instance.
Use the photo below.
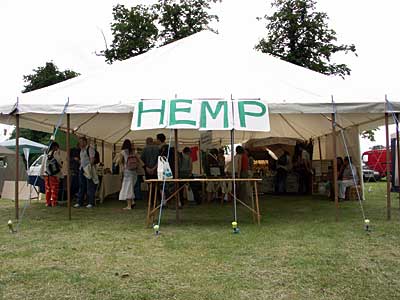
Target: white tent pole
(388, 200)
(335, 171)
(233, 165)
(16, 197)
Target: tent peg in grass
(366, 224)
(156, 229)
(235, 227)
(11, 227)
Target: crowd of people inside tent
(87, 171)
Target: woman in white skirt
(129, 161)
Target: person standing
(51, 170)
(75, 162)
(161, 140)
(242, 171)
(305, 171)
(283, 166)
(129, 161)
(87, 174)
(150, 158)
(185, 168)
(140, 174)
(350, 177)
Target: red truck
(375, 159)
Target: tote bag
(163, 168)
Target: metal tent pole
(176, 175)
(335, 171)
(17, 166)
(388, 200)
(68, 167)
(233, 174)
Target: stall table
(153, 206)
(110, 184)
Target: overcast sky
(69, 33)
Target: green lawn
(299, 252)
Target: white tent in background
(202, 66)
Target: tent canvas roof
(202, 66)
(4, 150)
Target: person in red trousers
(51, 170)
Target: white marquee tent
(202, 66)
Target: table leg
(252, 204)
(149, 204)
(257, 204)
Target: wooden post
(200, 160)
(388, 200)
(320, 152)
(335, 171)
(398, 153)
(17, 166)
(113, 156)
(102, 151)
(176, 175)
(68, 166)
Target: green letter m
(206, 107)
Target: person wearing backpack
(129, 162)
(51, 171)
(88, 179)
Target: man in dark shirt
(150, 158)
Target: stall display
(322, 176)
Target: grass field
(299, 252)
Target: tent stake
(176, 173)
(335, 171)
(17, 166)
(388, 200)
(68, 167)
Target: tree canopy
(40, 78)
(46, 76)
(299, 34)
(140, 28)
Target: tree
(369, 134)
(299, 34)
(33, 135)
(140, 28)
(183, 18)
(42, 77)
(46, 76)
(134, 31)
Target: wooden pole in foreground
(335, 170)
(68, 167)
(388, 200)
(16, 196)
(398, 154)
(176, 175)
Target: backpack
(131, 162)
(52, 165)
(96, 155)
